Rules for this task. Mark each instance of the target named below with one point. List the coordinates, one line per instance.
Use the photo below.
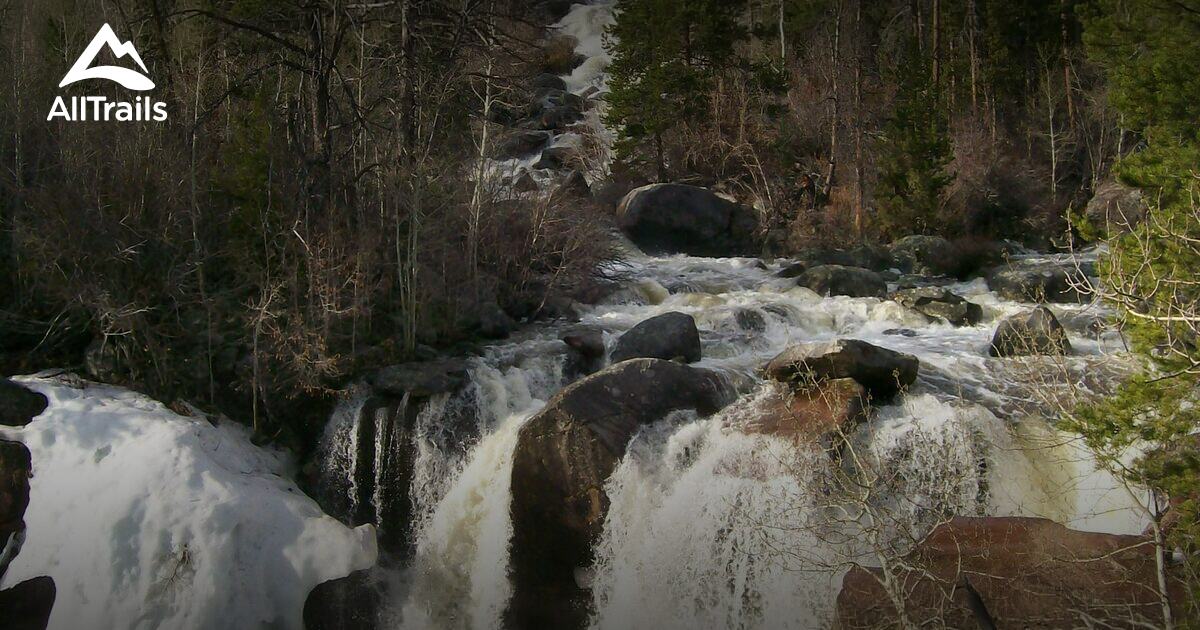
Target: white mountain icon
(82, 69)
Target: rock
(350, 603)
(792, 270)
(102, 360)
(832, 407)
(881, 371)
(1034, 284)
(586, 354)
(557, 158)
(668, 336)
(840, 280)
(901, 332)
(15, 468)
(420, 379)
(548, 81)
(940, 303)
(750, 320)
(866, 256)
(925, 255)
(575, 185)
(1035, 332)
(19, 405)
(27, 606)
(563, 458)
(521, 144)
(676, 218)
(525, 183)
(494, 323)
(1115, 207)
(1012, 573)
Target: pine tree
(1150, 52)
(914, 154)
(665, 55)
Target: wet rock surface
(354, 602)
(939, 303)
(840, 280)
(1032, 333)
(668, 336)
(563, 458)
(881, 371)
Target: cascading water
(711, 526)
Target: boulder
(420, 379)
(940, 303)
(750, 320)
(924, 255)
(350, 603)
(881, 371)
(1115, 207)
(792, 270)
(27, 606)
(563, 458)
(15, 468)
(585, 353)
(866, 256)
(575, 185)
(806, 413)
(19, 405)
(1035, 332)
(840, 280)
(494, 323)
(1034, 284)
(521, 144)
(547, 81)
(1013, 573)
(557, 158)
(676, 218)
(525, 183)
(668, 336)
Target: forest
(519, 291)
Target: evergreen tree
(1150, 51)
(914, 154)
(665, 55)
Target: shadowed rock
(564, 456)
(19, 405)
(668, 336)
(676, 218)
(27, 605)
(1034, 284)
(350, 603)
(15, 468)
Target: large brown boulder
(668, 336)
(1035, 332)
(842, 280)
(19, 405)
(1013, 573)
(27, 606)
(881, 371)
(682, 219)
(354, 602)
(563, 458)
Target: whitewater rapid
(713, 527)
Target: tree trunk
(834, 104)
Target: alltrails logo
(81, 108)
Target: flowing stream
(711, 527)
